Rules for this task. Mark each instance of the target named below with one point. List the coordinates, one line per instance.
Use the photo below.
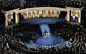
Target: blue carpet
(45, 28)
(48, 41)
(42, 20)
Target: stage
(53, 41)
(47, 42)
(46, 20)
(72, 23)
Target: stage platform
(72, 23)
(44, 42)
(46, 20)
(10, 26)
(48, 41)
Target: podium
(47, 34)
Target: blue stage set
(50, 20)
(47, 38)
(48, 41)
(45, 29)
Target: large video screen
(74, 16)
(10, 19)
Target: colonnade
(44, 11)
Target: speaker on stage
(47, 34)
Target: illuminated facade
(41, 11)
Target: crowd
(13, 4)
(11, 41)
(9, 4)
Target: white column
(16, 17)
(31, 15)
(79, 18)
(27, 14)
(6, 19)
(68, 15)
(38, 14)
(43, 13)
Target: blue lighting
(44, 29)
(42, 20)
(48, 41)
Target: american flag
(52, 13)
(25, 15)
(34, 14)
(38, 13)
(66, 17)
(30, 14)
(57, 14)
(79, 19)
(44, 13)
(48, 13)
